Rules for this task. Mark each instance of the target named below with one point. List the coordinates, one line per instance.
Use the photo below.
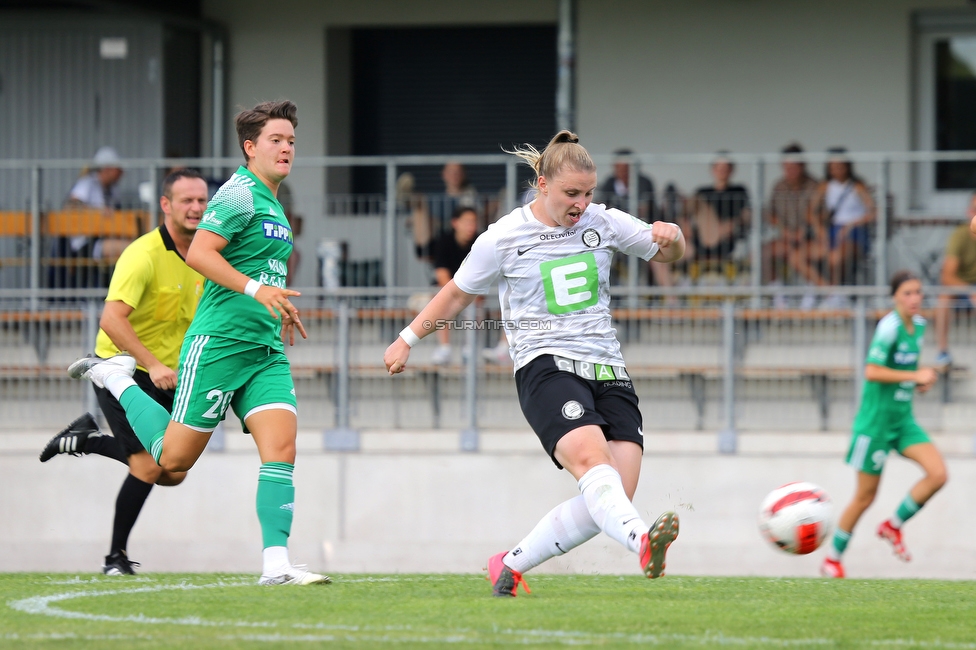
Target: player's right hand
(162, 377)
(276, 301)
(396, 356)
(925, 378)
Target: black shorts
(558, 395)
(115, 414)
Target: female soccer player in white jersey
(233, 353)
(884, 422)
(551, 259)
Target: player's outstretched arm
(205, 258)
(671, 245)
(446, 305)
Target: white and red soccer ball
(795, 517)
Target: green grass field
(210, 610)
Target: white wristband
(409, 337)
(251, 288)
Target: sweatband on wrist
(409, 337)
(251, 288)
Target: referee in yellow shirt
(151, 301)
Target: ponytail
(563, 151)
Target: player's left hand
(276, 301)
(288, 326)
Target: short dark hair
(174, 176)
(793, 147)
(461, 209)
(250, 122)
(900, 278)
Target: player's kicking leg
(83, 436)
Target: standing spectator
(842, 209)
(719, 214)
(432, 212)
(958, 270)
(448, 251)
(789, 207)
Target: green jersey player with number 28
(885, 422)
(233, 353)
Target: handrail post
(91, 333)
(511, 185)
(728, 437)
(35, 240)
(860, 347)
(342, 437)
(633, 207)
(390, 248)
(469, 436)
(755, 234)
(881, 236)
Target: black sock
(127, 506)
(108, 446)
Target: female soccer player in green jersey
(885, 422)
(551, 261)
(233, 353)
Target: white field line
(42, 605)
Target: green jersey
(892, 347)
(259, 242)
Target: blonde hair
(564, 150)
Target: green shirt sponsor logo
(571, 283)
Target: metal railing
(725, 359)
(732, 246)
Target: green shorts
(869, 448)
(217, 372)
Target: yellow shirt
(153, 279)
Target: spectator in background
(615, 193)
(958, 270)
(841, 210)
(431, 213)
(95, 188)
(448, 251)
(717, 216)
(295, 221)
(788, 234)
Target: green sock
(147, 418)
(905, 511)
(838, 545)
(276, 502)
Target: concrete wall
(412, 504)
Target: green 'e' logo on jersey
(571, 284)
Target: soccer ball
(795, 517)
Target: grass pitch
(210, 610)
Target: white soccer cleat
(295, 576)
(97, 369)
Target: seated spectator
(448, 251)
(95, 188)
(788, 234)
(841, 210)
(715, 219)
(432, 212)
(958, 270)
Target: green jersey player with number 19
(885, 422)
(551, 260)
(233, 354)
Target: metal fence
(751, 229)
(728, 359)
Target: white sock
(276, 560)
(117, 384)
(565, 527)
(610, 508)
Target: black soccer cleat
(72, 439)
(119, 564)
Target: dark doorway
(450, 90)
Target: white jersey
(554, 282)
